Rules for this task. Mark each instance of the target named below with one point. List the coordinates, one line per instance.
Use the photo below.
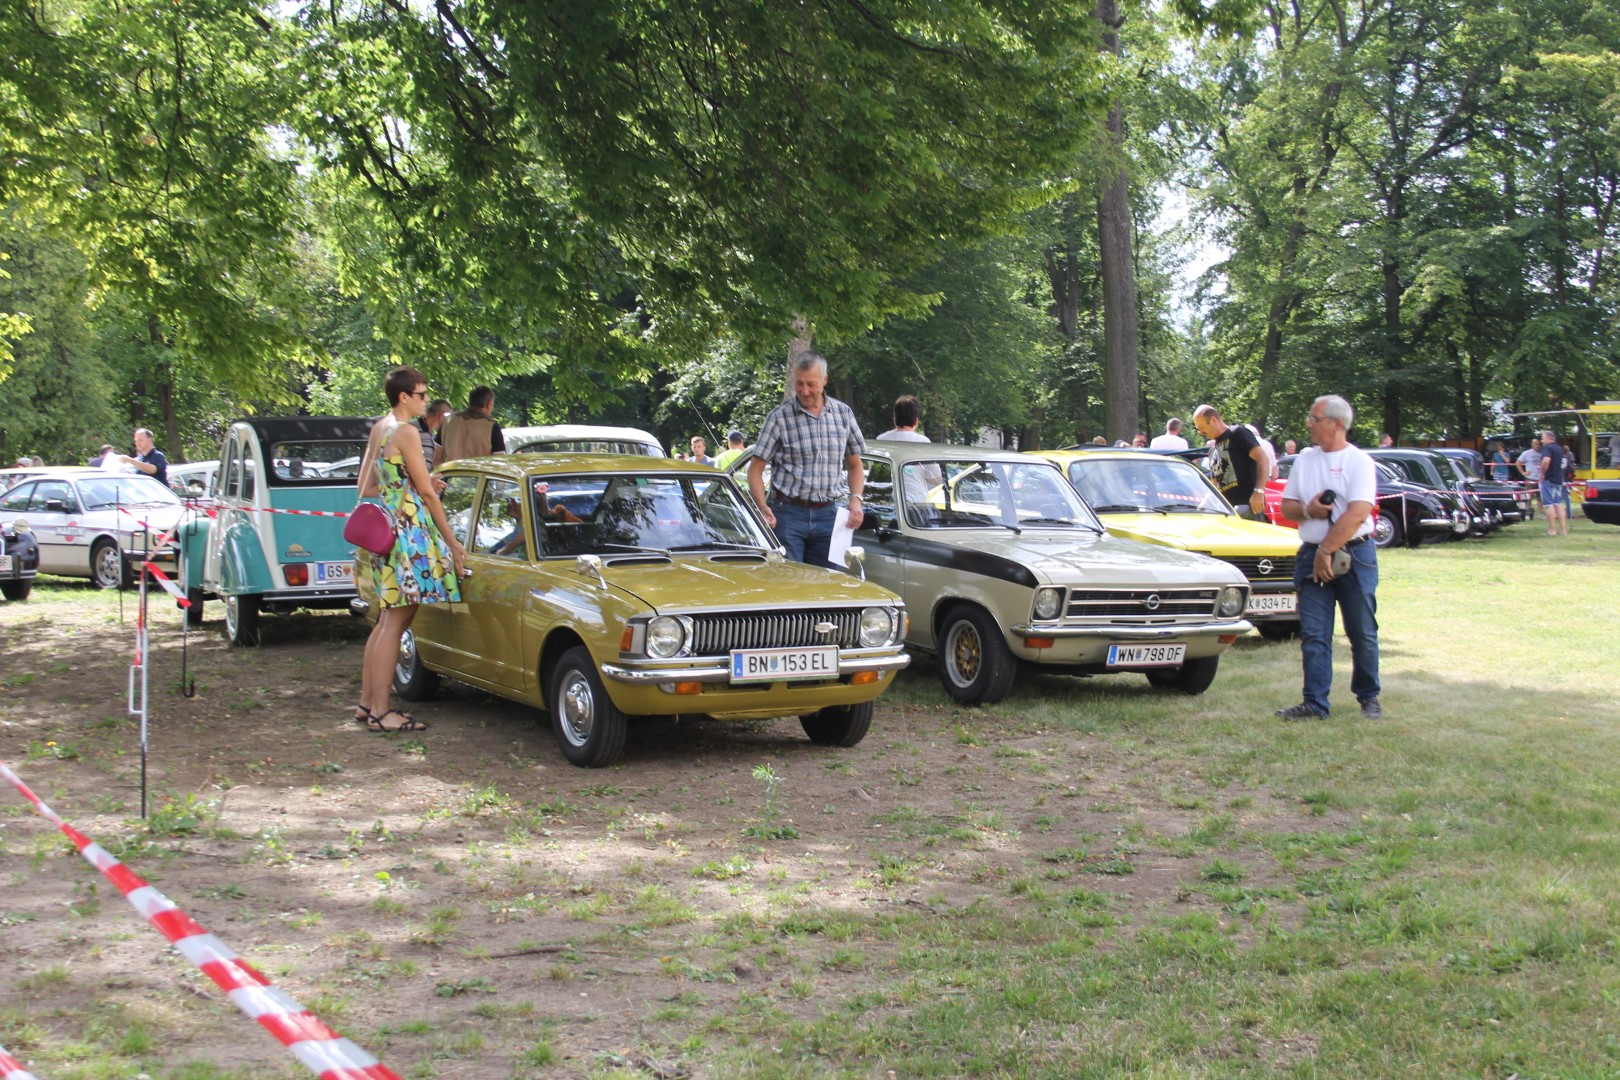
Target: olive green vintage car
(1001, 562)
(610, 586)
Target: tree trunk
(1121, 381)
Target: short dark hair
(439, 405)
(402, 381)
(907, 411)
(480, 398)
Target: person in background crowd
(1330, 492)
(1529, 463)
(471, 432)
(1172, 439)
(812, 443)
(1290, 447)
(425, 565)
(1270, 471)
(1552, 485)
(1099, 440)
(735, 445)
(1500, 462)
(1237, 461)
(1614, 451)
(1385, 441)
(428, 426)
(148, 458)
(100, 460)
(907, 415)
(700, 450)
(1139, 440)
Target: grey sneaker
(1371, 710)
(1301, 711)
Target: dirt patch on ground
(458, 896)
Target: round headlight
(877, 627)
(1048, 602)
(666, 636)
(1230, 604)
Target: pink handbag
(371, 527)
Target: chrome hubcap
(407, 659)
(578, 707)
(107, 566)
(963, 654)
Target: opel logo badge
(1152, 602)
(825, 627)
(1266, 567)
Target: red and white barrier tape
(213, 511)
(11, 1068)
(320, 1049)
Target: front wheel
(107, 565)
(839, 725)
(17, 590)
(1386, 531)
(974, 662)
(242, 620)
(590, 729)
(412, 680)
(1192, 677)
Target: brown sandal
(407, 723)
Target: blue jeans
(1355, 593)
(806, 533)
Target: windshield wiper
(1181, 508)
(1120, 508)
(1048, 521)
(634, 549)
(719, 545)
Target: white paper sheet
(842, 537)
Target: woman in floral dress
(425, 566)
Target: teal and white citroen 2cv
(273, 538)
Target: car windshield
(1463, 468)
(1145, 485)
(102, 492)
(611, 513)
(1387, 473)
(311, 460)
(588, 446)
(956, 494)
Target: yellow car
(1159, 499)
(610, 586)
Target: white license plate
(333, 573)
(775, 665)
(1168, 655)
(1270, 603)
(5, 564)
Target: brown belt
(806, 503)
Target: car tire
(194, 613)
(16, 590)
(975, 664)
(242, 620)
(413, 681)
(839, 725)
(1387, 532)
(107, 567)
(1278, 629)
(1192, 677)
(590, 729)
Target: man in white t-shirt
(1331, 492)
(1172, 438)
(907, 415)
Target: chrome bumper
(717, 669)
(1135, 633)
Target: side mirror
(590, 566)
(855, 561)
(56, 506)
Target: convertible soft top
(274, 429)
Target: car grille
(1280, 566)
(717, 634)
(1142, 603)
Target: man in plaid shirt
(813, 444)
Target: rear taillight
(296, 573)
(1590, 493)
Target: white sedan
(87, 520)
